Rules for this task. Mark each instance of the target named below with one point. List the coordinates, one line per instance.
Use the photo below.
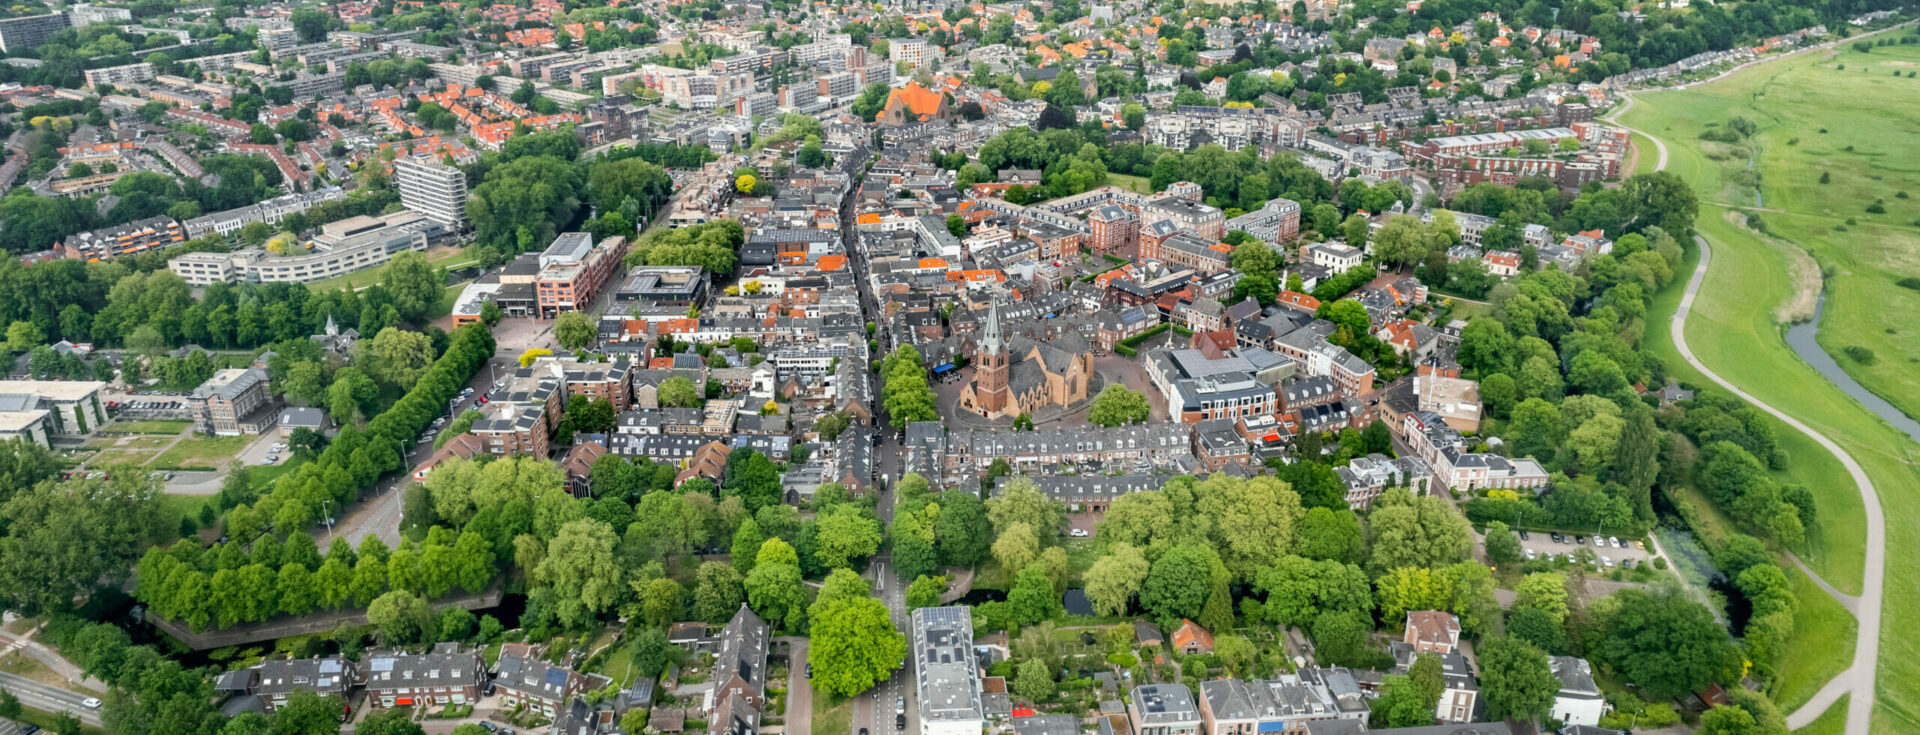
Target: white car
(1079, 533)
(91, 702)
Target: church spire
(990, 342)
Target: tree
(580, 569)
(1033, 681)
(1419, 532)
(1342, 638)
(846, 533)
(1502, 546)
(1543, 591)
(65, 538)
(745, 183)
(774, 587)
(1116, 405)
(1515, 679)
(679, 392)
(415, 285)
(400, 616)
(1115, 578)
(1178, 583)
(854, 645)
(956, 225)
(573, 330)
(925, 591)
(1032, 598)
(24, 336)
(1331, 535)
(1298, 590)
(1401, 703)
(397, 357)
(1661, 640)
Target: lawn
(446, 257)
(1834, 722)
(616, 665)
(831, 716)
(202, 453)
(1733, 330)
(175, 507)
(1821, 626)
(153, 426)
(1137, 184)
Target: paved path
(1660, 163)
(1859, 678)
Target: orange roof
(920, 101)
(831, 262)
(869, 218)
(933, 262)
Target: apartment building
(137, 236)
(124, 74)
(1281, 706)
(1163, 709)
(342, 247)
(520, 416)
(946, 676)
(433, 189)
(27, 33)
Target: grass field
(1867, 155)
(1821, 627)
(1733, 330)
(831, 716)
(202, 453)
(439, 256)
(1137, 184)
(155, 426)
(1834, 722)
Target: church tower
(991, 366)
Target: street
(39, 696)
(874, 710)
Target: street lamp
(328, 515)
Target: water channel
(1801, 338)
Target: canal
(1801, 337)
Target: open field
(202, 453)
(1867, 155)
(1833, 722)
(831, 716)
(1733, 330)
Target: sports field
(1734, 327)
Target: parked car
(1079, 533)
(1524, 536)
(900, 722)
(1607, 560)
(1556, 537)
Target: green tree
(400, 617)
(579, 567)
(854, 645)
(396, 357)
(680, 392)
(925, 591)
(573, 330)
(1515, 680)
(1032, 598)
(1661, 640)
(1115, 578)
(1034, 681)
(1502, 546)
(1116, 405)
(1178, 583)
(1409, 531)
(415, 285)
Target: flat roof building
(432, 188)
(948, 679)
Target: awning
(938, 369)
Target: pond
(1801, 337)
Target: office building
(434, 189)
(573, 270)
(38, 410)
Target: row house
(1150, 446)
(446, 676)
(523, 679)
(1281, 706)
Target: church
(1019, 375)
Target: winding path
(1859, 678)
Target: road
(873, 711)
(39, 696)
(799, 717)
(379, 513)
(1859, 678)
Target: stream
(1801, 338)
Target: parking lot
(1540, 544)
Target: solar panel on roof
(382, 664)
(329, 666)
(556, 677)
